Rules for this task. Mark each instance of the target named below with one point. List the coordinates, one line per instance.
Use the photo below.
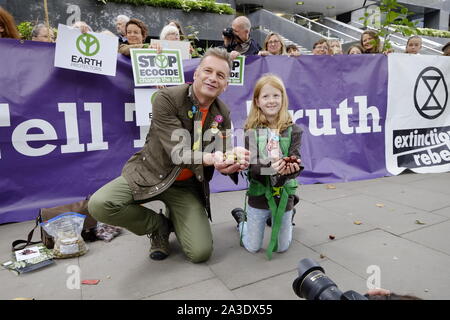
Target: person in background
(83, 26)
(320, 48)
(446, 49)
(243, 44)
(335, 46)
(8, 27)
(370, 42)
(176, 24)
(136, 32)
(121, 21)
(413, 45)
(273, 45)
(41, 33)
(355, 49)
(292, 50)
(170, 32)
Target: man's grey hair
(123, 18)
(218, 53)
(37, 29)
(244, 22)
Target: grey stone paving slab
(440, 183)
(405, 267)
(405, 178)
(126, 271)
(237, 267)
(45, 284)
(436, 236)
(223, 202)
(377, 212)
(211, 289)
(354, 185)
(319, 192)
(314, 225)
(280, 287)
(407, 195)
(443, 212)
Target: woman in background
(8, 27)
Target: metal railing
(325, 30)
(403, 40)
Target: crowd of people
(134, 33)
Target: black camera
(228, 32)
(313, 284)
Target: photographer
(237, 39)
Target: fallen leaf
(330, 186)
(357, 222)
(90, 282)
(331, 237)
(380, 205)
(420, 222)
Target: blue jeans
(252, 231)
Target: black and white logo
(430, 93)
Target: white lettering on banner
(363, 113)
(71, 120)
(130, 109)
(21, 137)
(327, 128)
(95, 110)
(4, 118)
(343, 112)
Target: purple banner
(64, 133)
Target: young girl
(274, 141)
(413, 45)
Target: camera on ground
(313, 284)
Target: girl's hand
(279, 165)
(290, 168)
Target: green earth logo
(88, 45)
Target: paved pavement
(404, 237)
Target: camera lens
(313, 284)
(228, 32)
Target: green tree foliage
(25, 29)
(393, 18)
(185, 5)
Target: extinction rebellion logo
(88, 46)
(430, 93)
(426, 146)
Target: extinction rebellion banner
(65, 133)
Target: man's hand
(236, 160)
